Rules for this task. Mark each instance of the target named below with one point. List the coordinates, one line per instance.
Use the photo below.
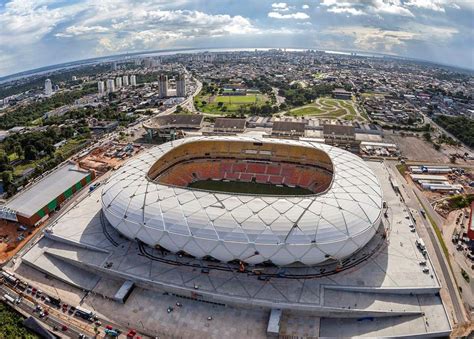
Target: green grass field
(240, 99)
(248, 188)
(307, 110)
(230, 103)
(328, 108)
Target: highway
(413, 203)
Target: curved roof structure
(282, 229)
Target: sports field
(224, 104)
(248, 188)
(328, 108)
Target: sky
(36, 33)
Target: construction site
(24, 215)
(107, 156)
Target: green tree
(31, 153)
(427, 136)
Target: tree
(427, 136)
(7, 178)
(31, 153)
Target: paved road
(414, 204)
(28, 307)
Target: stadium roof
(176, 121)
(230, 124)
(37, 196)
(228, 226)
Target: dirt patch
(13, 238)
(416, 149)
(103, 158)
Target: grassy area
(13, 157)
(37, 122)
(460, 201)
(11, 324)
(327, 108)
(223, 104)
(18, 170)
(319, 75)
(240, 99)
(349, 105)
(349, 117)
(70, 147)
(439, 235)
(248, 188)
(306, 110)
(402, 168)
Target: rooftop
(37, 196)
(177, 121)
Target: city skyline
(49, 32)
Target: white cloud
(295, 16)
(27, 22)
(82, 30)
(348, 10)
(438, 5)
(279, 5)
(121, 26)
(359, 7)
(389, 41)
(305, 7)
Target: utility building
(38, 201)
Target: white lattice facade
(282, 229)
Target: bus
(84, 313)
(9, 278)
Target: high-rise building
(133, 80)
(163, 85)
(118, 82)
(149, 63)
(125, 80)
(110, 86)
(101, 87)
(181, 85)
(48, 87)
(114, 66)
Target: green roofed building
(38, 201)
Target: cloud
(348, 10)
(295, 16)
(36, 33)
(389, 40)
(82, 30)
(360, 7)
(280, 5)
(139, 26)
(437, 5)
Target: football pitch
(248, 188)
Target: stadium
(248, 199)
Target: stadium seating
(244, 161)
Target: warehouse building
(38, 201)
